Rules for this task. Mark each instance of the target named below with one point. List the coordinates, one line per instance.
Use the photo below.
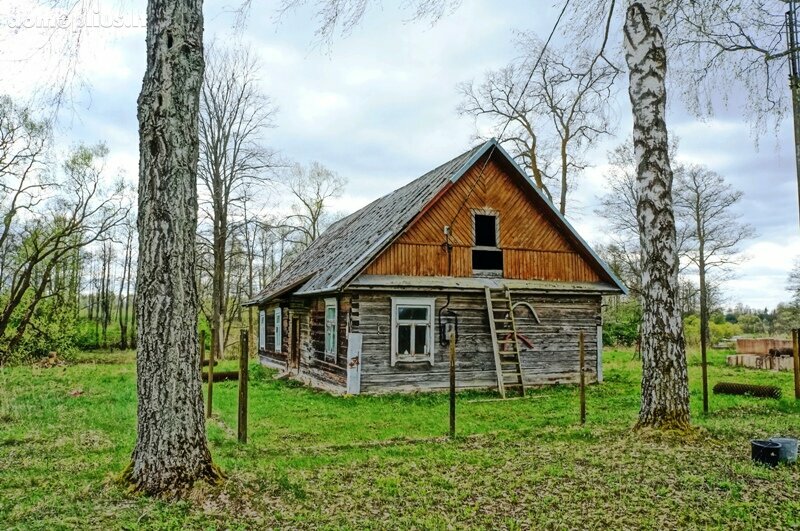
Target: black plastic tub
(766, 453)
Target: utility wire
(502, 132)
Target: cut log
(223, 376)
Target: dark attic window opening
(485, 230)
(486, 257)
(487, 260)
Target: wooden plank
(244, 360)
(582, 369)
(515, 343)
(354, 364)
(796, 356)
(532, 254)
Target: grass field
(317, 461)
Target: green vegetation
(314, 460)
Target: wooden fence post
(452, 384)
(210, 372)
(244, 359)
(202, 350)
(796, 356)
(582, 378)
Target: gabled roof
(350, 244)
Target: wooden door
(294, 345)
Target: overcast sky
(379, 106)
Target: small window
(486, 257)
(278, 330)
(262, 330)
(330, 330)
(412, 330)
(485, 230)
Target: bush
(621, 323)
(717, 331)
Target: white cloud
(379, 108)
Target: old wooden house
(471, 247)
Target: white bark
(665, 384)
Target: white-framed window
(331, 316)
(412, 329)
(278, 330)
(262, 330)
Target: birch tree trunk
(665, 382)
(171, 451)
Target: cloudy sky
(379, 106)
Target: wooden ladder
(504, 333)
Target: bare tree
(312, 188)
(171, 451)
(23, 147)
(618, 207)
(339, 17)
(124, 295)
(234, 116)
(62, 224)
(714, 237)
(563, 110)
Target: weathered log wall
(553, 358)
(313, 368)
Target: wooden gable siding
(533, 248)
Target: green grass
(317, 461)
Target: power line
(503, 131)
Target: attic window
(486, 256)
(485, 230)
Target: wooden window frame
(278, 320)
(262, 330)
(486, 212)
(418, 302)
(330, 354)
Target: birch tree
(665, 380)
(171, 451)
